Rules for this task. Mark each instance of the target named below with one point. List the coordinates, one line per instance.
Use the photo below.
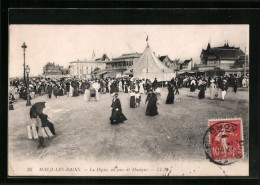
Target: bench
(32, 132)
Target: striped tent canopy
(148, 66)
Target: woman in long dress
(202, 87)
(170, 97)
(141, 90)
(212, 89)
(87, 94)
(192, 85)
(132, 99)
(71, 91)
(151, 109)
(96, 86)
(116, 115)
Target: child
(137, 99)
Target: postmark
(223, 141)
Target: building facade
(168, 62)
(86, 69)
(52, 69)
(225, 59)
(120, 64)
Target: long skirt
(132, 102)
(126, 89)
(97, 95)
(141, 90)
(170, 98)
(117, 117)
(213, 93)
(192, 88)
(71, 92)
(151, 109)
(201, 94)
(87, 95)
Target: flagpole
(147, 61)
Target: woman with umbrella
(116, 115)
(36, 112)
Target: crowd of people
(136, 88)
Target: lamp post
(28, 102)
(24, 47)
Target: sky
(63, 44)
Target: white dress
(71, 91)
(87, 95)
(141, 90)
(96, 86)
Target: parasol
(36, 109)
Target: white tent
(148, 66)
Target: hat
(212, 81)
(115, 94)
(224, 80)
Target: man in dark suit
(155, 84)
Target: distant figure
(116, 115)
(137, 99)
(192, 85)
(212, 89)
(68, 89)
(49, 90)
(132, 99)
(155, 84)
(96, 86)
(235, 83)
(141, 89)
(202, 87)
(170, 97)
(151, 109)
(224, 89)
(176, 86)
(87, 94)
(55, 90)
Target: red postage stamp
(226, 139)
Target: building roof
(223, 52)
(161, 58)
(185, 62)
(128, 55)
(103, 58)
(86, 61)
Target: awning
(110, 74)
(180, 72)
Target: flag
(147, 38)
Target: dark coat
(224, 87)
(117, 116)
(151, 109)
(170, 97)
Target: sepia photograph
(128, 100)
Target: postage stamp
(223, 141)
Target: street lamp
(24, 47)
(28, 103)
